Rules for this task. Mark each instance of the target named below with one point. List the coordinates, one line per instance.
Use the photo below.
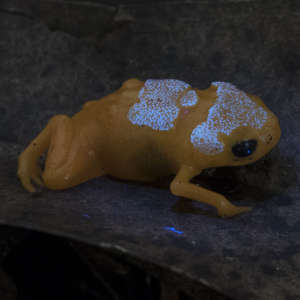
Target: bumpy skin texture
(146, 130)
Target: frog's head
(247, 144)
(239, 129)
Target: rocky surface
(49, 67)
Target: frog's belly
(140, 163)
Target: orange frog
(146, 130)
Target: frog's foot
(29, 172)
(226, 209)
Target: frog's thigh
(68, 163)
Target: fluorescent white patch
(157, 107)
(189, 99)
(206, 140)
(233, 108)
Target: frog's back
(138, 117)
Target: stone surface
(251, 44)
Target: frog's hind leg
(70, 161)
(67, 164)
(28, 162)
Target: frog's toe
(233, 211)
(26, 182)
(38, 180)
(28, 175)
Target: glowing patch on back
(157, 107)
(189, 99)
(233, 108)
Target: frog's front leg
(181, 186)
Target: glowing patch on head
(233, 108)
(189, 99)
(157, 107)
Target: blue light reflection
(173, 230)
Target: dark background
(56, 55)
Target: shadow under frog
(149, 129)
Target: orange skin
(100, 140)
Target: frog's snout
(273, 131)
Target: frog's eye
(244, 148)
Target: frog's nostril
(269, 139)
(244, 148)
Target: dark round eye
(244, 148)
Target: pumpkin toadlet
(146, 130)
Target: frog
(146, 130)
